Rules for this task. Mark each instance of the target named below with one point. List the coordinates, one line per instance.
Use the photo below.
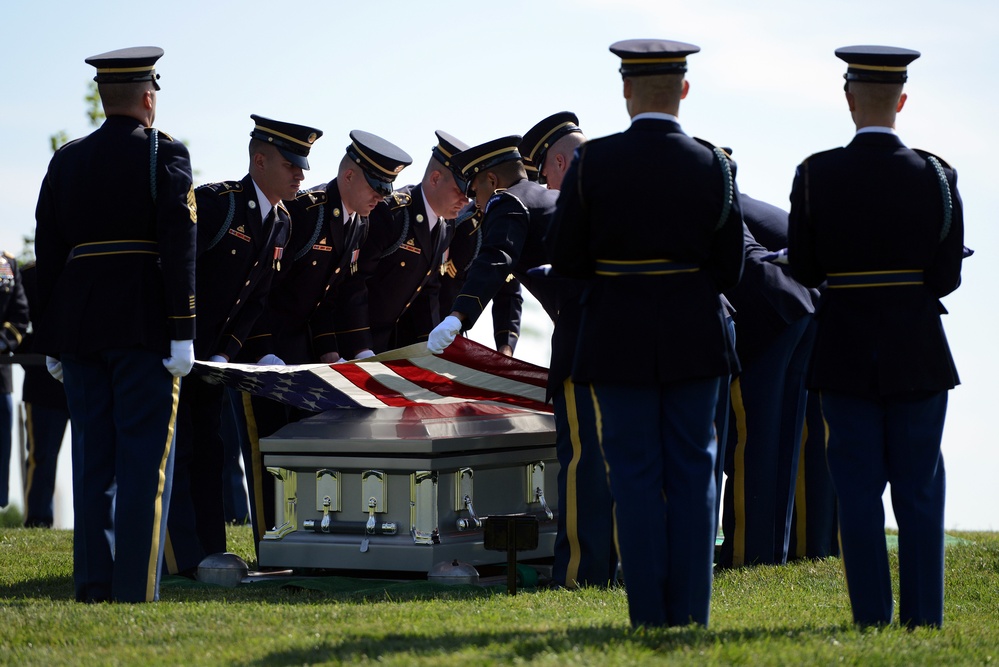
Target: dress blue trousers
(123, 405)
(892, 441)
(659, 445)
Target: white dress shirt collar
(657, 115)
(262, 202)
(432, 217)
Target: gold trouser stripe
(739, 470)
(256, 461)
(169, 557)
(801, 499)
(29, 473)
(152, 572)
(599, 424)
(569, 506)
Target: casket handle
(472, 522)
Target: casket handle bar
(539, 496)
(351, 527)
(472, 522)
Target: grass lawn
(791, 615)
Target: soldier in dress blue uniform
(585, 554)
(242, 240)
(507, 305)
(45, 420)
(882, 226)
(656, 270)
(402, 257)
(306, 309)
(123, 268)
(14, 315)
(515, 213)
(549, 147)
(760, 458)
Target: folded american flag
(410, 376)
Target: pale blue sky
(766, 83)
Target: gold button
(402, 263)
(313, 262)
(419, 288)
(234, 251)
(237, 301)
(337, 270)
(247, 282)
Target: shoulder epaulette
(707, 144)
(821, 153)
(398, 200)
(163, 135)
(499, 195)
(926, 155)
(310, 198)
(222, 187)
(598, 140)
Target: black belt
(875, 279)
(643, 267)
(113, 248)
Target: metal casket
(401, 489)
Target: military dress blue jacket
(883, 227)
(115, 243)
(651, 217)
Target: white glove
(443, 334)
(181, 359)
(218, 359)
(364, 354)
(778, 257)
(54, 367)
(543, 271)
(270, 360)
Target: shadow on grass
(53, 588)
(526, 645)
(312, 590)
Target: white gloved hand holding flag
(443, 334)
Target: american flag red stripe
(465, 372)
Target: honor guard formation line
(792, 364)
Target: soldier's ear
(901, 102)
(258, 160)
